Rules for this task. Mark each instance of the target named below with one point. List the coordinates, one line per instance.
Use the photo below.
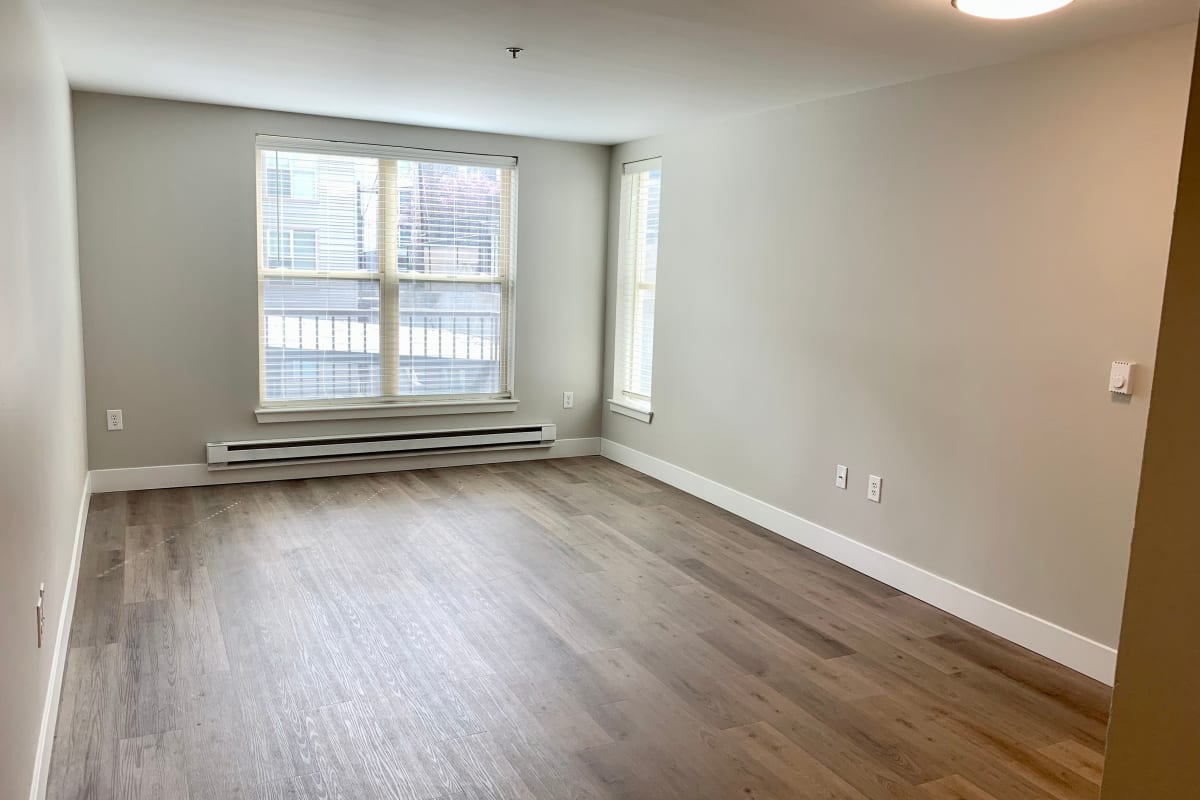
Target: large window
(385, 274)
(641, 186)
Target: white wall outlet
(1120, 380)
(41, 615)
(875, 489)
(568, 399)
(116, 420)
(842, 475)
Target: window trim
(625, 401)
(374, 410)
(389, 278)
(264, 141)
(642, 413)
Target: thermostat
(1121, 379)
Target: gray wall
(928, 282)
(168, 273)
(42, 450)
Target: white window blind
(385, 274)
(641, 186)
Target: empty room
(351, 449)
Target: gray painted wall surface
(168, 274)
(42, 451)
(928, 282)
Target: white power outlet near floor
(568, 399)
(41, 615)
(875, 489)
(116, 420)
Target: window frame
(625, 400)
(389, 277)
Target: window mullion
(449, 277)
(317, 274)
(389, 290)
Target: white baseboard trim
(173, 475)
(41, 763)
(1078, 652)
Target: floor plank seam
(130, 559)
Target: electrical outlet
(41, 615)
(875, 489)
(116, 420)
(842, 475)
(568, 399)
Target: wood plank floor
(558, 630)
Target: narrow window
(641, 186)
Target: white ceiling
(593, 70)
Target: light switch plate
(842, 475)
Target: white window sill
(380, 410)
(640, 413)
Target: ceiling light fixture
(1008, 9)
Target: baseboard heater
(315, 449)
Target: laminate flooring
(543, 630)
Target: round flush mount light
(1008, 9)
